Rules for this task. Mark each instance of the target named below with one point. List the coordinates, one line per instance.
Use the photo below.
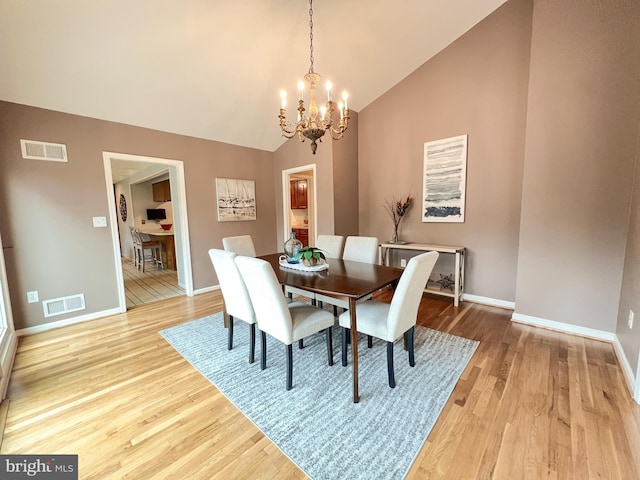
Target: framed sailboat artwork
(236, 199)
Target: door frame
(312, 200)
(180, 220)
(8, 338)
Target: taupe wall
(476, 86)
(294, 154)
(47, 208)
(630, 296)
(345, 180)
(581, 146)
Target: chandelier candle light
(314, 125)
(397, 209)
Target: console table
(458, 272)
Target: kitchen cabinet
(161, 191)
(298, 194)
(302, 234)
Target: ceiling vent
(58, 306)
(52, 152)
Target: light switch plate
(99, 221)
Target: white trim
(286, 200)
(8, 338)
(636, 395)
(564, 327)
(7, 356)
(626, 367)
(206, 290)
(494, 302)
(180, 218)
(66, 322)
(632, 382)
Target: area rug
(316, 424)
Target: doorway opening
(299, 199)
(130, 180)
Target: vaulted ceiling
(213, 69)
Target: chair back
(234, 291)
(361, 249)
(403, 311)
(241, 245)
(269, 303)
(331, 245)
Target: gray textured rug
(316, 424)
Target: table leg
(354, 348)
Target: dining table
(344, 279)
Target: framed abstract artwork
(444, 180)
(236, 199)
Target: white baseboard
(589, 333)
(66, 322)
(564, 327)
(494, 302)
(626, 368)
(206, 289)
(86, 318)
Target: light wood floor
(149, 286)
(531, 404)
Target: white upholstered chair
(356, 249)
(391, 321)
(361, 249)
(331, 245)
(236, 297)
(285, 322)
(241, 244)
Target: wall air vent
(58, 306)
(52, 152)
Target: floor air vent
(53, 152)
(58, 306)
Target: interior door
(8, 341)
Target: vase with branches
(397, 210)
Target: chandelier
(318, 121)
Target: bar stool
(144, 244)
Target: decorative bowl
(166, 226)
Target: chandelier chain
(313, 122)
(311, 36)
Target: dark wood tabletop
(343, 279)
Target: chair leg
(392, 380)
(289, 367)
(329, 346)
(230, 334)
(345, 336)
(252, 342)
(412, 359)
(369, 341)
(263, 350)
